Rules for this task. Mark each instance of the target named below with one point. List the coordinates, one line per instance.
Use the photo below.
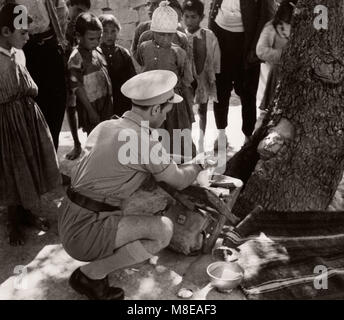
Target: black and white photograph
(186, 151)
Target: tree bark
(305, 171)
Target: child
(28, 162)
(273, 39)
(179, 38)
(76, 7)
(206, 59)
(145, 26)
(161, 53)
(120, 65)
(89, 79)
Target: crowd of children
(95, 68)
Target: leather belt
(89, 203)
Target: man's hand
(205, 160)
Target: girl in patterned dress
(28, 162)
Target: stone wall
(130, 13)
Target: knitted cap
(164, 19)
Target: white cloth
(229, 16)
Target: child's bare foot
(15, 235)
(75, 153)
(31, 220)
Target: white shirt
(196, 34)
(229, 16)
(16, 54)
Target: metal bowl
(225, 276)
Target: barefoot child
(161, 53)
(89, 78)
(28, 162)
(120, 65)
(206, 59)
(76, 7)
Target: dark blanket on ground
(298, 255)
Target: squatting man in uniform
(92, 225)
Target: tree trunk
(304, 169)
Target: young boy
(145, 26)
(89, 79)
(76, 7)
(161, 53)
(206, 60)
(179, 38)
(120, 65)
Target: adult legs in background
(224, 86)
(231, 75)
(249, 100)
(202, 113)
(45, 63)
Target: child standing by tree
(89, 78)
(120, 65)
(206, 60)
(161, 53)
(76, 7)
(273, 39)
(28, 162)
